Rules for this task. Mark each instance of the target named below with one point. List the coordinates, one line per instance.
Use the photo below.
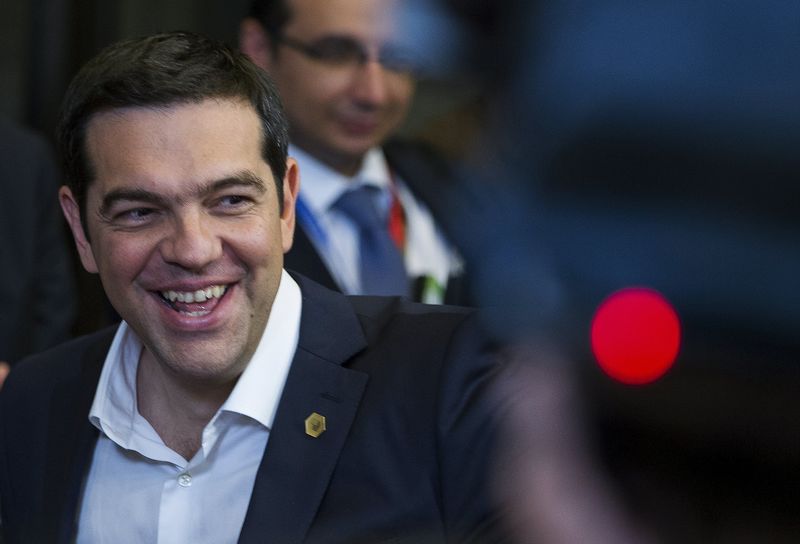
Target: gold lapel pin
(315, 425)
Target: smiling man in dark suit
(234, 402)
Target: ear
(291, 189)
(255, 43)
(73, 216)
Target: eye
(232, 200)
(134, 215)
(232, 203)
(337, 51)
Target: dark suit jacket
(405, 389)
(37, 292)
(430, 179)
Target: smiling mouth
(360, 125)
(194, 303)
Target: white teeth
(201, 295)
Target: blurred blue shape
(636, 143)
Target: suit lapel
(431, 180)
(427, 175)
(305, 259)
(72, 441)
(296, 468)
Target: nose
(369, 86)
(192, 242)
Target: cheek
(122, 258)
(401, 89)
(326, 91)
(287, 238)
(301, 98)
(258, 244)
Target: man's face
(185, 230)
(337, 113)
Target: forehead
(169, 145)
(363, 19)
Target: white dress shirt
(139, 490)
(427, 253)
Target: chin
(203, 363)
(353, 151)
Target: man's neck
(178, 409)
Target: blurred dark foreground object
(652, 144)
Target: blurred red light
(635, 335)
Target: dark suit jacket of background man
(429, 178)
(37, 291)
(410, 417)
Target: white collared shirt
(427, 252)
(139, 490)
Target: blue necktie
(382, 269)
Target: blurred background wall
(43, 42)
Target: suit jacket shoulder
(46, 438)
(411, 428)
(427, 173)
(38, 290)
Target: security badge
(315, 425)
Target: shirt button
(185, 480)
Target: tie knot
(359, 205)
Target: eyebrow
(243, 178)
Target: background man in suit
(37, 291)
(233, 403)
(346, 88)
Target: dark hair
(161, 70)
(273, 16)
